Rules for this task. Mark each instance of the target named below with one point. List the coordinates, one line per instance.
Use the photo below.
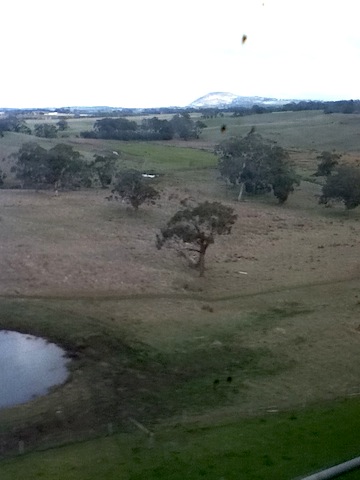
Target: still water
(29, 366)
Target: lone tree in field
(197, 227)
(133, 188)
(256, 166)
(105, 168)
(327, 163)
(343, 186)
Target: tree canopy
(61, 166)
(62, 125)
(327, 163)
(196, 228)
(184, 127)
(115, 128)
(46, 130)
(256, 166)
(343, 186)
(104, 168)
(154, 127)
(12, 123)
(134, 189)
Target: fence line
(335, 471)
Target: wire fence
(32, 440)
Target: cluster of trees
(342, 182)
(250, 163)
(342, 185)
(49, 130)
(327, 162)
(61, 167)
(341, 106)
(256, 166)
(193, 227)
(181, 126)
(45, 130)
(12, 123)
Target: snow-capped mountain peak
(214, 99)
(226, 99)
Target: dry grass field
(278, 310)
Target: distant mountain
(226, 99)
(214, 99)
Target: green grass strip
(166, 157)
(275, 446)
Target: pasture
(215, 367)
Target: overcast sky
(151, 53)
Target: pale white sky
(151, 53)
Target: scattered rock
(280, 330)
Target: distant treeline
(12, 123)
(113, 125)
(341, 106)
(180, 126)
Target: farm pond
(29, 367)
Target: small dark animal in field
(223, 128)
(216, 383)
(229, 379)
(207, 308)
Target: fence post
(21, 447)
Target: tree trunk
(241, 191)
(201, 263)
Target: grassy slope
(246, 447)
(308, 132)
(278, 447)
(299, 130)
(144, 156)
(164, 158)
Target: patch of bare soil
(77, 243)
